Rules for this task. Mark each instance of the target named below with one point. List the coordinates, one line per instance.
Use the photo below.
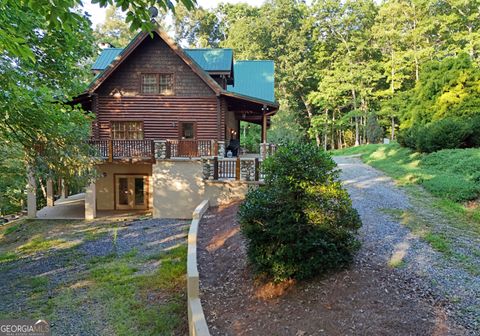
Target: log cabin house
(165, 120)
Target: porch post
(50, 192)
(31, 195)
(90, 201)
(64, 193)
(264, 127)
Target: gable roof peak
(137, 40)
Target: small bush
(454, 187)
(443, 134)
(447, 133)
(301, 223)
(408, 137)
(473, 140)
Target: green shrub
(473, 140)
(443, 134)
(408, 137)
(373, 130)
(301, 223)
(454, 187)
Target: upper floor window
(127, 130)
(157, 84)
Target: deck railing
(188, 148)
(111, 150)
(123, 149)
(232, 169)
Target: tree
(114, 30)
(64, 15)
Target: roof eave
(274, 105)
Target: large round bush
(301, 223)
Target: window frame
(180, 129)
(158, 75)
(142, 125)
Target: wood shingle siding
(154, 56)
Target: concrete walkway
(72, 207)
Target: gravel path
(67, 268)
(384, 239)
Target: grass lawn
(70, 272)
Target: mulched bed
(367, 299)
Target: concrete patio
(73, 207)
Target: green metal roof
(210, 60)
(105, 58)
(254, 79)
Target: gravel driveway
(431, 273)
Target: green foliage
(301, 223)
(114, 29)
(250, 137)
(442, 134)
(448, 133)
(446, 88)
(373, 129)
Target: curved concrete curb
(196, 319)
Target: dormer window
(155, 83)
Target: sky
(98, 14)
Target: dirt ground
(367, 299)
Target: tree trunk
(310, 116)
(357, 127)
(340, 143)
(333, 130)
(392, 136)
(42, 187)
(325, 131)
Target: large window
(127, 130)
(157, 84)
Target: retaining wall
(197, 323)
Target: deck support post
(50, 199)
(91, 201)
(257, 169)
(237, 169)
(31, 195)
(63, 189)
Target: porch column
(63, 186)
(264, 127)
(91, 201)
(31, 195)
(50, 192)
